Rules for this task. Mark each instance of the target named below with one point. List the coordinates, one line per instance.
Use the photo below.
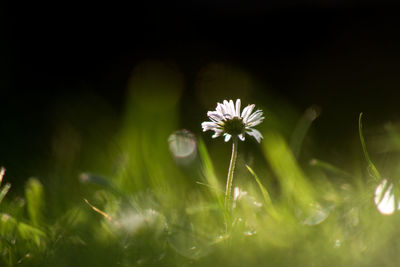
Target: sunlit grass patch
(161, 200)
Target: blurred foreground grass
(159, 201)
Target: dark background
(341, 56)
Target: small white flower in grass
(227, 120)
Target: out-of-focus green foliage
(154, 207)
(35, 201)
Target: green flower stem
(228, 190)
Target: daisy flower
(227, 120)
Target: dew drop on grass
(183, 146)
(257, 204)
(337, 243)
(315, 214)
(250, 232)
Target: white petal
(232, 107)
(227, 110)
(255, 116)
(209, 125)
(217, 133)
(221, 109)
(228, 116)
(246, 112)
(237, 108)
(255, 122)
(227, 137)
(255, 133)
(215, 116)
(226, 106)
(241, 137)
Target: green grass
(145, 207)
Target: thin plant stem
(229, 181)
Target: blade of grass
(209, 172)
(329, 167)
(301, 129)
(209, 186)
(2, 172)
(267, 198)
(295, 186)
(4, 190)
(102, 213)
(26, 231)
(371, 165)
(34, 194)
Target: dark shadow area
(342, 57)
